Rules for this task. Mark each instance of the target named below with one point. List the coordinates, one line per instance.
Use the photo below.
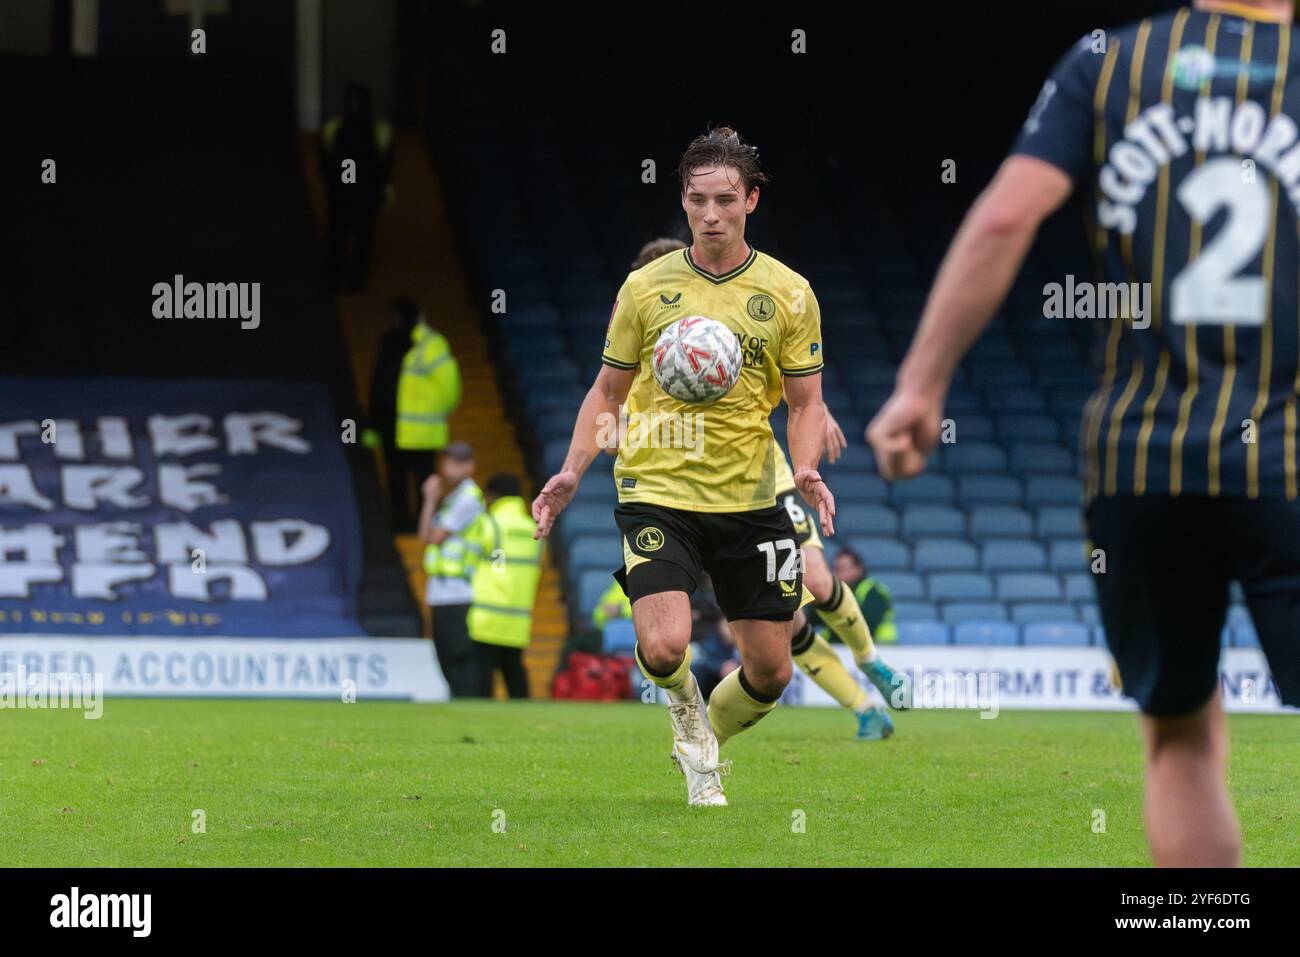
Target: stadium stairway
(416, 254)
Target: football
(697, 360)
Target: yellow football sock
(844, 617)
(735, 706)
(818, 660)
(680, 683)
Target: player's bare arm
(604, 398)
(978, 270)
(805, 436)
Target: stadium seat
(914, 611)
(956, 612)
(989, 522)
(1052, 490)
(1027, 427)
(973, 490)
(1041, 459)
(1029, 586)
(618, 637)
(974, 458)
(1015, 399)
(1028, 612)
(1066, 555)
(1067, 633)
(591, 585)
(971, 427)
(855, 486)
(931, 520)
(1060, 521)
(1011, 555)
(904, 586)
(945, 555)
(866, 519)
(1089, 613)
(596, 551)
(882, 554)
(977, 632)
(1079, 586)
(958, 586)
(925, 489)
(923, 633)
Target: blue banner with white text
(177, 508)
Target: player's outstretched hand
(551, 500)
(904, 433)
(836, 443)
(815, 492)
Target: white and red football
(697, 360)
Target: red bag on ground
(590, 677)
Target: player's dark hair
(853, 555)
(654, 249)
(503, 484)
(722, 146)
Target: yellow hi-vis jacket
(505, 580)
(459, 552)
(428, 391)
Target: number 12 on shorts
(792, 563)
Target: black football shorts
(753, 558)
(1164, 593)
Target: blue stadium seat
(882, 554)
(1041, 459)
(1052, 490)
(1029, 586)
(855, 455)
(581, 518)
(1079, 586)
(1060, 521)
(1239, 615)
(923, 633)
(914, 611)
(925, 489)
(1244, 636)
(958, 586)
(1067, 633)
(1065, 555)
(989, 522)
(596, 551)
(1028, 612)
(974, 458)
(933, 520)
(1015, 399)
(1027, 427)
(855, 486)
(971, 427)
(598, 489)
(618, 637)
(1011, 555)
(945, 555)
(976, 632)
(903, 586)
(973, 490)
(591, 585)
(1089, 613)
(866, 519)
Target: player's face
(716, 207)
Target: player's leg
(748, 694)
(661, 567)
(1188, 811)
(839, 609)
(818, 660)
(1163, 598)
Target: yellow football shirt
(784, 474)
(719, 457)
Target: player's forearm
(805, 434)
(599, 413)
(972, 283)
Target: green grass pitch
(288, 783)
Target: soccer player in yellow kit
(709, 504)
(835, 602)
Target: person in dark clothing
(355, 194)
(406, 468)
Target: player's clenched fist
(904, 433)
(551, 500)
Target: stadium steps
(415, 254)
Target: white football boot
(695, 751)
